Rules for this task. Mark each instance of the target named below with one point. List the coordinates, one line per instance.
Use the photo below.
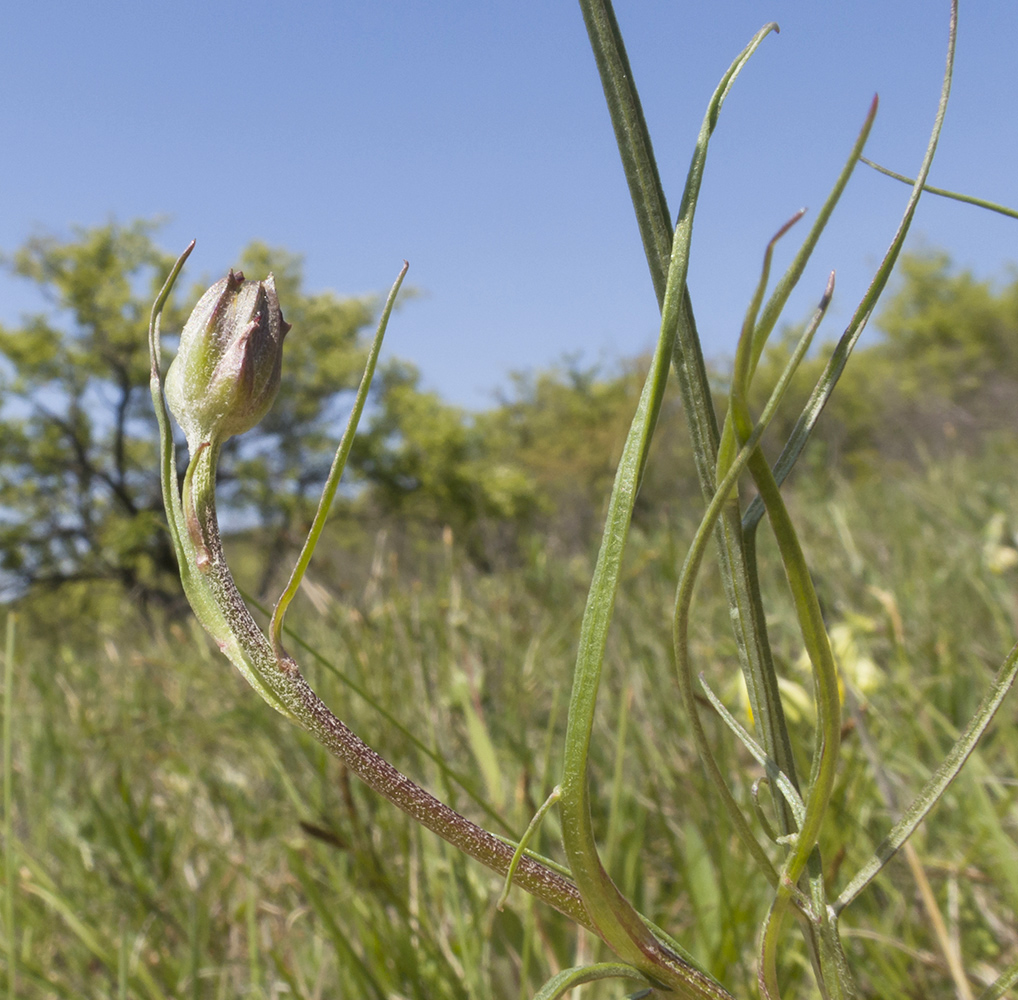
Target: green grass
(174, 837)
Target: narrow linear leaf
(990, 206)
(569, 979)
(521, 847)
(687, 585)
(937, 784)
(774, 774)
(632, 138)
(654, 219)
(1003, 983)
(615, 917)
(790, 279)
(836, 365)
(337, 467)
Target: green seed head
(226, 372)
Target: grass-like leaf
(568, 979)
(1000, 986)
(336, 469)
(839, 358)
(521, 847)
(777, 778)
(613, 914)
(938, 783)
(990, 206)
(687, 584)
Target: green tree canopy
(79, 494)
(950, 335)
(542, 459)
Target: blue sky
(471, 138)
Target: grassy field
(167, 835)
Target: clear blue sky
(471, 138)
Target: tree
(79, 490)
(541, 461)
(431, 463)
(566, 428)
(78, 486)
(954, 340)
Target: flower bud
(226, 372)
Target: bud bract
(226, 372)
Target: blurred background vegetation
(172, 837)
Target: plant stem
(376, 772)
(210, 588)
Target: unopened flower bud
(226, 372)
